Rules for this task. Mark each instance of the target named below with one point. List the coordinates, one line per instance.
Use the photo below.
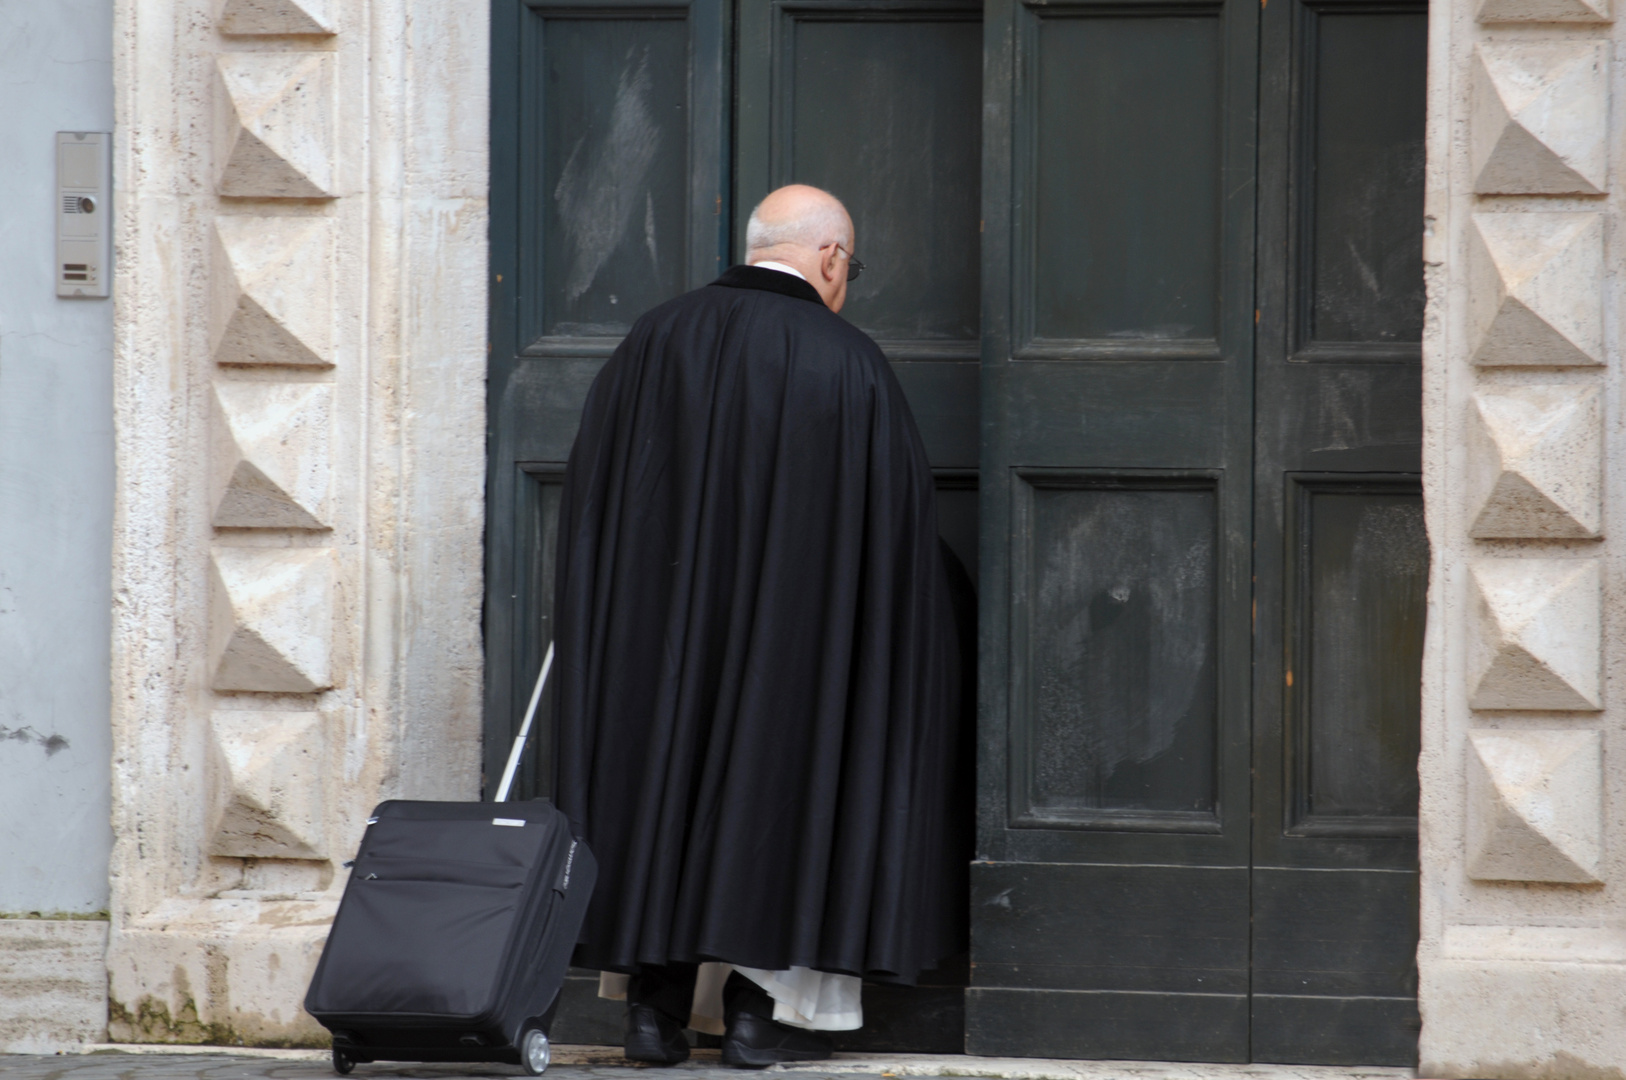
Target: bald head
(798, 216)
(800, 226)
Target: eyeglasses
(854, 267)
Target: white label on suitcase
(507, 821)
(570, 860)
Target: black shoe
(754, 1040)
(754, 1043)
(654, 1037)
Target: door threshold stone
(166, 1062)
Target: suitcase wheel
(534, 1051)
(342, 1062)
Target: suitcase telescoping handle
(524, 729)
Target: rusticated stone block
(1540, 118)
(271, 468)
(1583, 11)
(1537, 461)
(1535, 293)
(274, 125)
(1535, 806)
(271, 619)
(274, 17)
(1538, 639)
(268, 799)
(272, 291)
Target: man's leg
(658, 1003)
(669, 988)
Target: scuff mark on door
(649, 232)
(600, 187)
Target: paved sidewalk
(606, 1063)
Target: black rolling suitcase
(455, 930)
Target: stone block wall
(299, 405)
(1523, 953)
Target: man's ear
(827, 263)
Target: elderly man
(757, 704)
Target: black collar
(776, 281)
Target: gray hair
(825, 223)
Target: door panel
(1093, 961)
(1174, 420)
(608, 136)
(608, 132)
(1115, 611)
(1356, 580)
(1098, 1024)
(1361, 76)
(1143, 931)
(614, 151)
(1125, 230)
(883, 111)
(1333, 966)
(879, 102)
(1355, 949)
(1117, 410)
(1342, 556)
(1108, 962)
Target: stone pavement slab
(606, 1063)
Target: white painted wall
(56, 478)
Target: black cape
(757, 703)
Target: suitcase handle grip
(524, 730)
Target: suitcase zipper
(443, 871)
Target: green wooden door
(1183, 240)
(1203, 555)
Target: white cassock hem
(802, 997)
